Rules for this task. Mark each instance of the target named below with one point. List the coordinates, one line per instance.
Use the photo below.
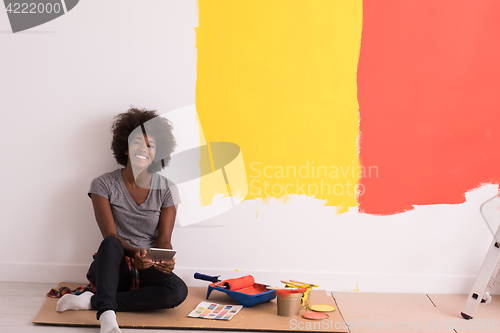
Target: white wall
(61, 84)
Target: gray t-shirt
(136, 224)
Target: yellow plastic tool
(322, 308)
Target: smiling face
(141, 150)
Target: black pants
(110, 275)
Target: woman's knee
(175, 293)
(111, 243)
(182, 292)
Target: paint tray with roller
(243, 289)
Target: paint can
(289, 303)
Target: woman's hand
(165, 266)
(140, 261)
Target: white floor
(20, 303)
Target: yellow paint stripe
(278, 78)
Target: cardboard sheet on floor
(261, 317)
(373, 312)
(486, 318)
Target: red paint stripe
(429, 95)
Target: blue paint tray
(245, 299)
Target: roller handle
(205, 277)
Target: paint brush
(294, 285)
(310, 284)
(281, 288)
(287, 290)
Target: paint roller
(239, 283)
(243, 284)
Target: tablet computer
(156, 254)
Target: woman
(135, 210)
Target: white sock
(74, 302)
(108, 322)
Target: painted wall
(62, 83)
(428, 88)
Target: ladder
(480, 293)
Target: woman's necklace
(130, 187)
(136, 192)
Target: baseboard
(42, 273)
(352, 282)
(331, 281)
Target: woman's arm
(165, 227)
(106, 223)
(164, 240)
